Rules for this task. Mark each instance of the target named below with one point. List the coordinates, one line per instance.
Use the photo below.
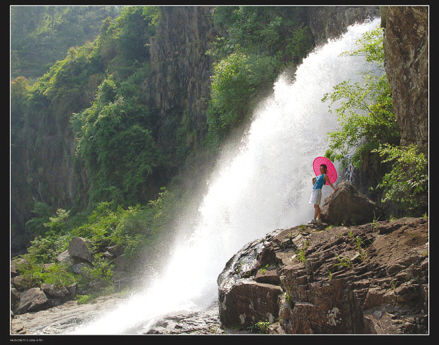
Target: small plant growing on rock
(346, 262)
(301, 255)
(260, 327)
(359, 243)
(288, 297)
(393, 284)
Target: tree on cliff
(369, 134)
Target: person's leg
(316, 211)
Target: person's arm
(329, 182)
(313, 180)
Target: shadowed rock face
(371, 278)
(406, 55)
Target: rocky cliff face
(406, 54)
(44, 168)
(367, 279)
(328, 22)
(179, 84)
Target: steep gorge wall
(179, 83)
(406, 54)
(43, 167)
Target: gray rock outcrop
(366, 279)
(79, 248)
(329, 22)
(349, 207)
(33, 299)
(406, 63)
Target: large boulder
(249, 302)
(53, 291)
(64, 258)
(80, 248)
(63, 293)
(33, 299)
(349, 206)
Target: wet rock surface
(199, 322)
(366, 279)
(64, 318)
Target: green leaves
(371, 47)
(255, 42)
(364, 110)
(406, 184)
(116, 144)
(368, 128)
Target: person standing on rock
(316, 195)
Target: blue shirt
(319, 182)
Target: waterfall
(262, 186)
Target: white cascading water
(264, 186)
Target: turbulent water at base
(262, 186)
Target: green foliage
(301, 255)
(58, 275)
(57, 224)
(255, 43)
(136, 229)
(236, 79)
(30, 270)
(99, 275)
(261, 30)
(260, 327)
(116, 144)
(83, 299)
(288, 298)
(343, 262)
(34, 274)
(371, 47)
(36, 225)
(41, 35)
(44, 249)
(406, 185)
(364, 110)
(369, 130)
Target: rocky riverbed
(66, 317)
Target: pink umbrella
(331, 172)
